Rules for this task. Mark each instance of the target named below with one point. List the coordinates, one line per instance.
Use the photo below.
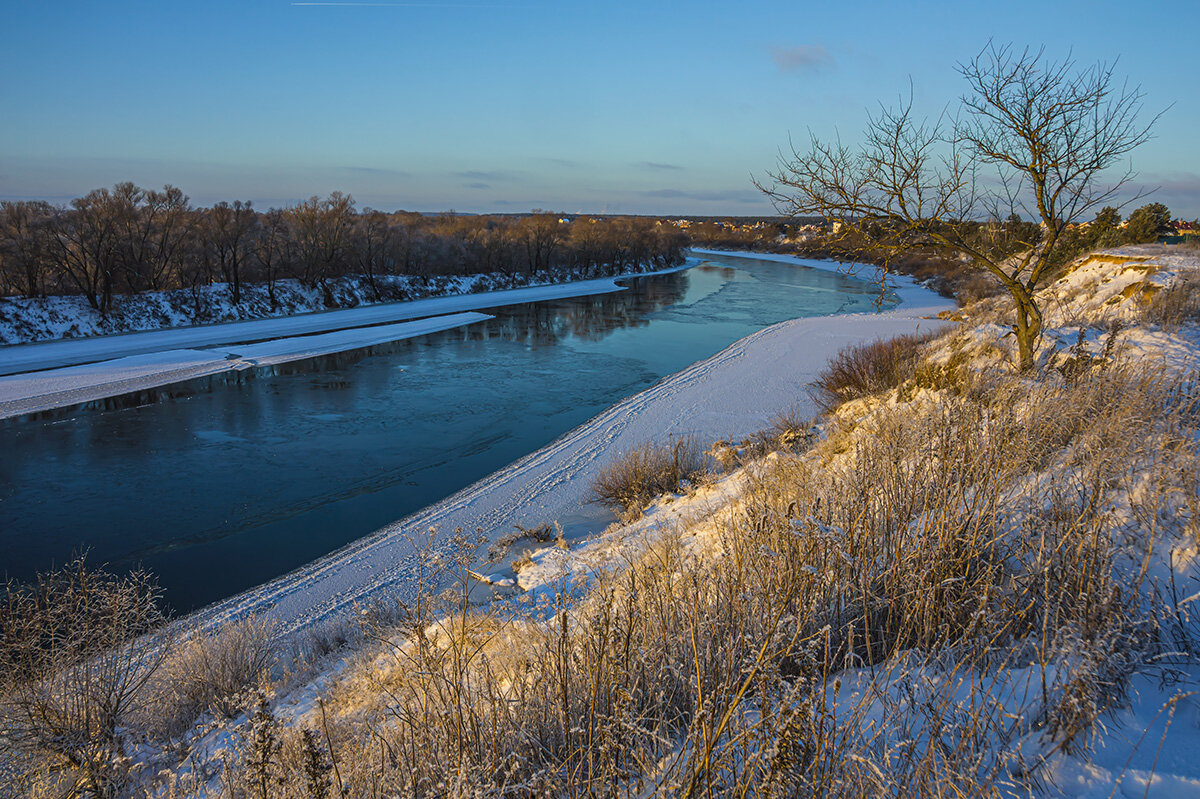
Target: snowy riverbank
(963, 579)
(967, 495)
(64, 373)
(25, 320)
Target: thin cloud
(481, 176)
(478, 185)
(660, 166)
(734, 195)
(803, 58)
(1180, 192)
(374, 170)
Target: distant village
(797, 231)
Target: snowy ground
(69, 352)
(1145, 748)
(731, 394)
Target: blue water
(228, 488)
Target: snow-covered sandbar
(45, 376)
(36, 392)
(69, 352)
(731, 394)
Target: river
(227, 488)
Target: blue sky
(642, 107)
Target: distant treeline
(130, 240)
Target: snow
(34, 392)
(731, 394)
(1145, 748)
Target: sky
(481, 106)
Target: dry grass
(868, 601)
(894, 611)
(212, 673)
(635, 478)
(1176, 305)
(542, 533)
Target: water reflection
(227, 488)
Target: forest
(130, 240)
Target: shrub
(78, 649)
(1176, 305)
(629, 483)
(867, 369)
(213, 671)
(543, 534)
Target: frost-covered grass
(972, 582)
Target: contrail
(405, 5)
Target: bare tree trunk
(1028, 324)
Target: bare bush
(78, 650)
(212, 671)
(645, 472)
(867, 369)
(542, 533)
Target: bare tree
(227, 237)
(1031, 137)
(372, 247)
(323, 229)
(87, 247)
(274, 250)
(24, 243)
(540, 234)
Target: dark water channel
(228, 488)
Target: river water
(227, 488)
